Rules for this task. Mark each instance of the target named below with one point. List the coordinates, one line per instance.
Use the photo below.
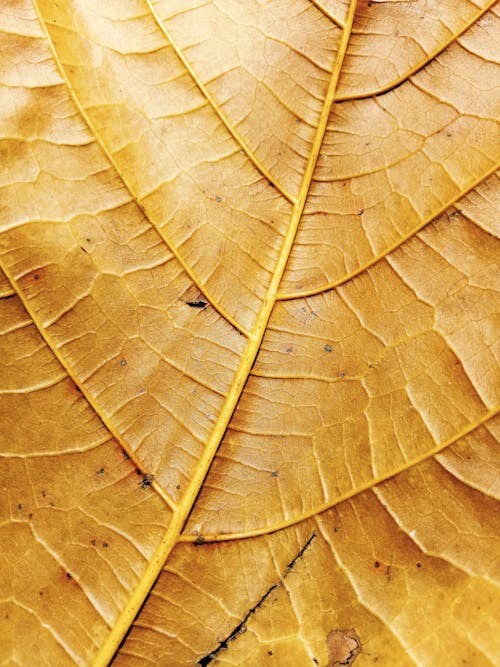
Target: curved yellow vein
(211, 300)
(267, 530)
(55, 351)
(232, 131)
(430, 56)
(286, 296)
(327, 13)
(179, 517)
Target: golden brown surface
(249, 318)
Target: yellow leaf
(248, 311)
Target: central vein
(181, 514)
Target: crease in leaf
(241, 627)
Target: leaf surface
(249, 377)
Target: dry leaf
(249, 377)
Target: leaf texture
(249, 312)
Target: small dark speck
(68, 575)
(125, 455)
(88, 240)
(93, 543)
(419, 564)
(197, 304)
(336, 529)
(288, 350)
(328, 348)
(370, 365)
(177, 486)
(298, 121)
(199, 541)
(271, 184)
(40, 593)
(147, 480)
(448, 134)
(361, 211)
(341, 375)
(44, 494)
(274, 473)
(84, 249)
(36, 276)
(269, 653)
(30, 515)
(376, 564)
(105, 545)
(123, 362)
(315, 661)
(19, 507)
(100, 471)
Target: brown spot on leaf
(344, 647)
